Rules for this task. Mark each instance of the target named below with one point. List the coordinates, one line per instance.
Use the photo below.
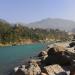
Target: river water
(12, 56)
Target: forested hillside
(18, 32)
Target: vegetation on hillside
(17, 32)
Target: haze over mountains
(61, 24)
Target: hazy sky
(34, 10)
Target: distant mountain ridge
(61, 24)
(48, 23)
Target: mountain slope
(54, 23)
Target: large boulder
(56, 49)
(57, 58)
(20, 70)
(56, 55)
(32, 68)
(54, 70)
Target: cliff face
(58, 59)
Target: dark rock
(55, 49)
(19, 72)
(72, 70)
(42, 53)
(57, 56)
(57, 59)
(72, 44)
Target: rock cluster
(54, 70)
(53, 61)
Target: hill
(18, 33)
(61, 24)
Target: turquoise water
(14, 55)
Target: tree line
(16, 32)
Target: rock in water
(31, 68)
(43, 55)
(19, 72)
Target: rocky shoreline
(57, 59)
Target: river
(12, 56)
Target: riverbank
(57, 59)
(18, 42)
